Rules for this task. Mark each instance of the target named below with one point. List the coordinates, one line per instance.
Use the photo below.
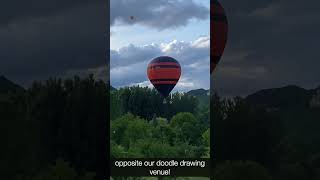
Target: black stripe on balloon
(164, 66)
(219, 17)
(164, 89)
(164, 59)
(155, 80)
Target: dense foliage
(271, 141)
(58, 130)
(143, 124)
(54, 120)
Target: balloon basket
(167, 101)
(164, 101)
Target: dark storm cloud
(271, 44)
(159, 14)
(12, 10)
(48, 40)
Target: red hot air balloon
(219, 32)
(164, 73)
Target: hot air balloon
(219, 33)
(164, 73)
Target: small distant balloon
(164, 73)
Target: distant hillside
(202, 94)
(198, 92)
(295, 114)
(289, 96)
(294, 107)
(7, 86)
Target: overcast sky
(271, 43)
(179, 29)
(41, 38)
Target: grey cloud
(44, 46)
(132, 54)
(128, 75)
(279, 37)
(128, 64)
(159, 14)
(14, 10)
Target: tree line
(144, 125)
(57, 129)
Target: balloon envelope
(164, 73)
(219, 32)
